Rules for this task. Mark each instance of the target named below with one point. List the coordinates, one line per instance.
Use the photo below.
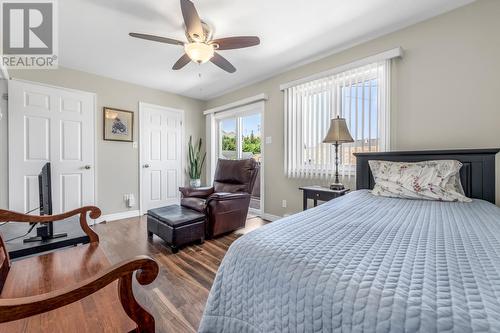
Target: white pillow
(428, 180)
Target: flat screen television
(46, 230)
(45, 190)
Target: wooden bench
(74, 289)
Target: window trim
(396, 52)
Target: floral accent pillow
(428, 180)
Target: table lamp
(337, 134)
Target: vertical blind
(360, 95)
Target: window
(228, 143)
(360, 95)
(240, 137)
(359, 103)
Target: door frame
(94, 123)
(240, 111)
(139, 144)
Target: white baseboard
(254, 211)
(118, 216)
(134, 213)
(271, 217)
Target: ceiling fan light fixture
(200, 47)
(199, 52)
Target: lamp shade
(338, 132)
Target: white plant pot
(195, 183)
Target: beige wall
(445, 92)
(444, 95)
(117, 162)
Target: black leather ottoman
(176, 225)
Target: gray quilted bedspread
(362, 263)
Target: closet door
(56, 125)
(161, 157)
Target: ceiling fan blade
(192, 21)
(236, 42)
(156, 38)
(222, 62)
(183, 61)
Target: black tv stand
(44, 233)
(18, 248)
(43, 239)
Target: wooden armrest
(147, 271)
(10, 216)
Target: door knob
(146, 166)
(87, 167)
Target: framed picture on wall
(118, 125)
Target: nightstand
(320, 193)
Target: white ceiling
(93, 36)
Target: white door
(161, 139)
(50, 124)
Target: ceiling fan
(200, 47)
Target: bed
(362, 263)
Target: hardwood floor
(178, 295)
(98, 312)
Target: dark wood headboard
(477, 174)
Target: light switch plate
(269, 140)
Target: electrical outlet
(283, 204)
(130, 200)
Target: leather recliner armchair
(225, 203)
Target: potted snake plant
(196, 161)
